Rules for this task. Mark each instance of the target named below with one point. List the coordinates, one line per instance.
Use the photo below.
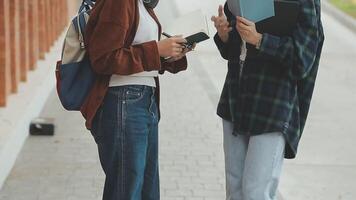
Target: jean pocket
(134, 93)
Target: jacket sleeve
(174, 67)
(300, 50)
(109, 56)
(230, 50)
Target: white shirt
(147, 31)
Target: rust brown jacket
(109, 34)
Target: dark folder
(284, 21)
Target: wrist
(161, 50)
(224, 38)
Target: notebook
(253, 10)
(284, 21)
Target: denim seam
(151, 111)
(122, 129)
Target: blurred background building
(28, 32)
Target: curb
(346, 20)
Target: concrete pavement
(66, 166)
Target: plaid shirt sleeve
(231, 49)
(298, 51)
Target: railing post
(5, 75)
(24, 40)
(65, 8)
(15, 44)
(33, 30)
(52, 22)
(47, 25)
(42, 28)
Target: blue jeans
(125, 129)
(253, 164)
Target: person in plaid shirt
(266, 97)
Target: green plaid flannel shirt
(274, 90)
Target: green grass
(348, 6)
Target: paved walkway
(66, 166)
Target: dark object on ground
(42, 126)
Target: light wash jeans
(253, 164)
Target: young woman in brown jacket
(122, 110)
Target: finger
(242, 33)
(179, 40)
(178, 50)
(176, 45)
(245, 21)
(225, 23)
(185, 51)
(221, 25)
(228, 29)
(213, 18)
(243, 26)
(221, 11)
(175, 54)
(178, 36)
(221, 20)
(225, 27)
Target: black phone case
(196, 38)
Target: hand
(247, 31)
(185, 51)
(171, 47)
(222, 25)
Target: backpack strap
(91, 3)
(79, 22)
(86, 5)
(82, 25)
